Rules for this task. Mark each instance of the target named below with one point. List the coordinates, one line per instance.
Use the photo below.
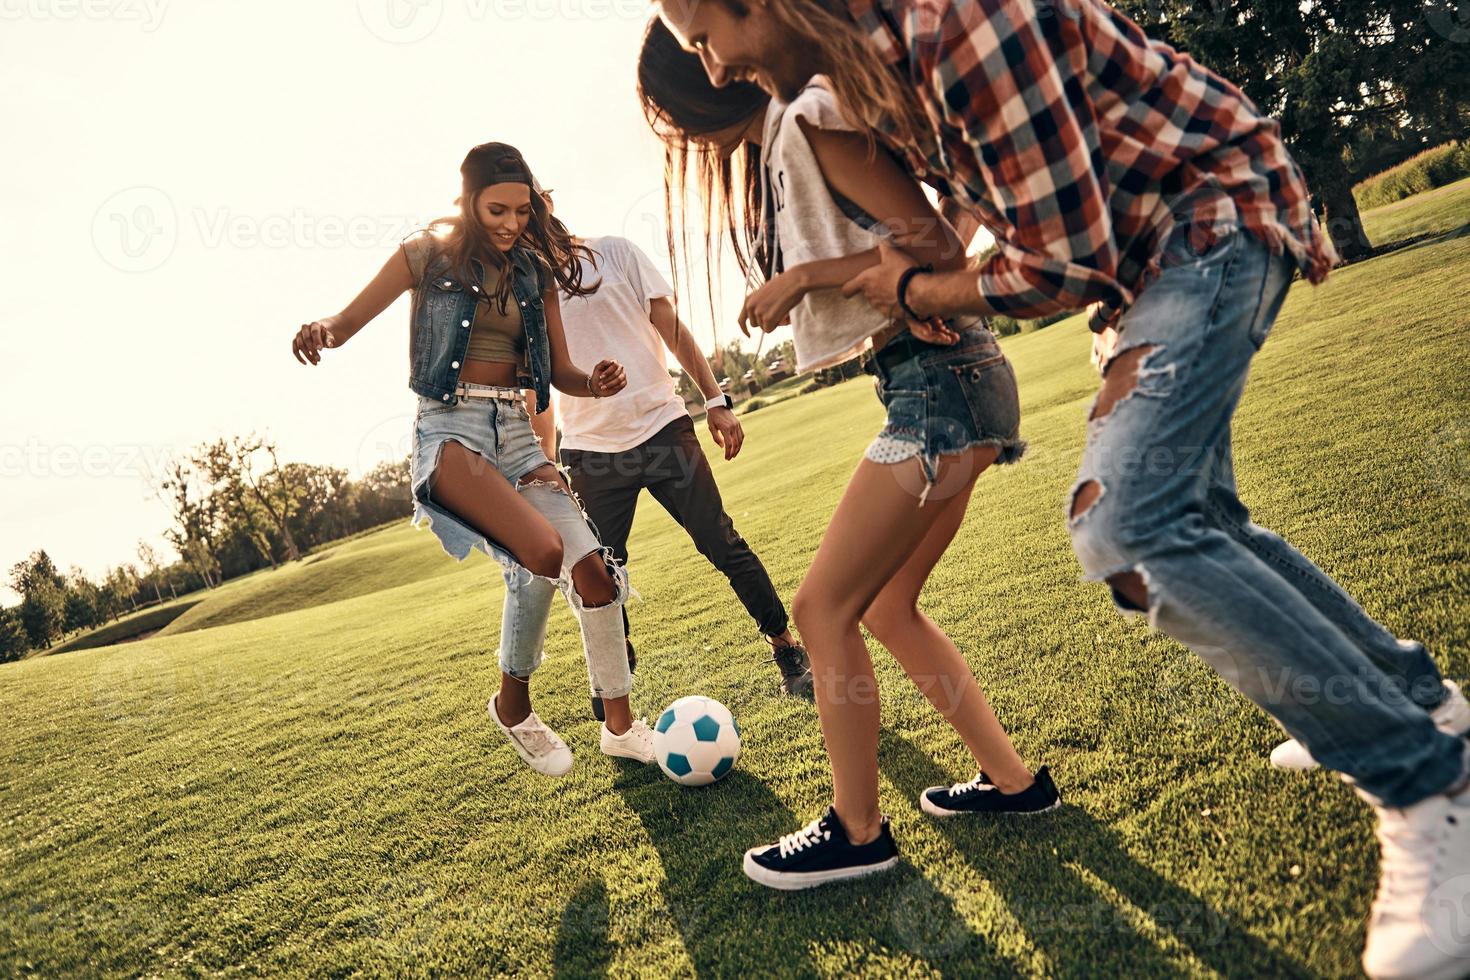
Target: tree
(42, 609)
(13, 640)
(219, 462)
(1329, 70)
(151, 570)
(80, 608)
(279, 490)
(194, 519)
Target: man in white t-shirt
(614, 448)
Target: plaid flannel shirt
(1079, 142)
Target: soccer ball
(696, 741)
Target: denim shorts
(945, 400)
(501, 432)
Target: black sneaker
(817, 854)
(597, 711)
(796, 671)
(979, 795)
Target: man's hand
(726, 429)
(879, 284)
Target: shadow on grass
(1081, 931)
(731, 926)
(582, 947)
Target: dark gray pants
(672, 466)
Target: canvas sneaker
(534, 741)
(796, 671)
(819, 853)
(1451, 717)
(636, 743)
(1420, 923)
(980, 795)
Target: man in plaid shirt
(1119, 175)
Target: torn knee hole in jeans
(1084, 498)
(1131, 590)
(544, 476)
(1129, 373)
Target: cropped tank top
(494, 336)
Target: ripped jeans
(1155, 510)
(500, 431)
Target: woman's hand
(770, 306)
(310, 341)
(606, 379)
(934, 331)
(879, 284)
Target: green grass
(131, 626)
(299, 777)
(1433, 168)
(1434, 212)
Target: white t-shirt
(810, 225)
(613, 323)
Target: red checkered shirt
(1078, 141)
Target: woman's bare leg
(935, 664)
(877, 527)
(470, 487)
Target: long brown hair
(465, 238)
(685, 110)
(873, 96)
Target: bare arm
(607, 377)
(877, 184)
(680, 341)
(724, 427)
(392, 281)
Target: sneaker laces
(806, 837)
(537, 738)
(978, 783)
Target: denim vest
(443, 312)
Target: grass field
(298, 775)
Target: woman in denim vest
(486, 325)
(825, 208)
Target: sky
(186, 182)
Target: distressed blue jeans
(1155, 505)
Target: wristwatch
(719, 401)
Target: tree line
(235, 507)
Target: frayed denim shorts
(945, 400)
(500, 432)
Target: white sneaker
(1420, 923)
(535, 742)
(1451, 717)
(636, 743)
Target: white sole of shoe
(943, 814)
(627, 755)
(810, 879)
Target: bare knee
(815, 610)
(593, 582)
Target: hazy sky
(187, 181)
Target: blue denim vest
(444, 310)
